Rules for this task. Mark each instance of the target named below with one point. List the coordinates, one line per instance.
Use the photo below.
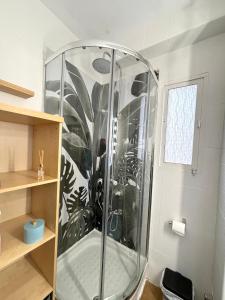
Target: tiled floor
(151, 292)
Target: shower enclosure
(107, 96)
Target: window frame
(199, 81)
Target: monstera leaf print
(129, 166)
(77, 227)
(140, 84)
(80, 214)
(84, 146)
(81, 90)
(67, 180)
(67, 176)
(80, 218)
(77, 200)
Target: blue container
(34, 231)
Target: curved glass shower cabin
(107, 95)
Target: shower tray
(78, 269)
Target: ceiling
(136, 24)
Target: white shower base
(78, 269)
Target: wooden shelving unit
(18, 115)
(22, 280)
(12, 181)
(13, 246)
(14, 89)
(28, 271)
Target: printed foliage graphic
(84, 137)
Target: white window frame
(199, 81)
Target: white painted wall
(27, 28)
(178, 194)
(219, 266)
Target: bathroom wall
(177, 193)
(28, 30)
(219, 262)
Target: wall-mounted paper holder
(183, 221)
(179, 227)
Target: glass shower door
(87, 70)
(104, 96)
(122, 260)
(77, 87)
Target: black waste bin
(175, 286)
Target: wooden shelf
(19, 115)
(12, 181)
(20, 145)
(22, 280)
(13, 246)
(14, 89)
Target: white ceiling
(136, 24)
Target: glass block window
(180, 120)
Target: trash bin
(175, 286)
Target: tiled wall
(177, 193)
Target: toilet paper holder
(179, 227)
(183, 221)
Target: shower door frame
(107, 179)
(101, 44)
(114, 48)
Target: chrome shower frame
(127, 51)
(102, 44)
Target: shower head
(102, 64)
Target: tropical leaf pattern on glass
(71, 98)
(78, 152)
(129, 166)
(80, 213)
(67, 176)
(77, 200)
(83, 159)
(140, 84)
(81, 90)
(76, 227)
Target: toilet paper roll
(178, 228)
